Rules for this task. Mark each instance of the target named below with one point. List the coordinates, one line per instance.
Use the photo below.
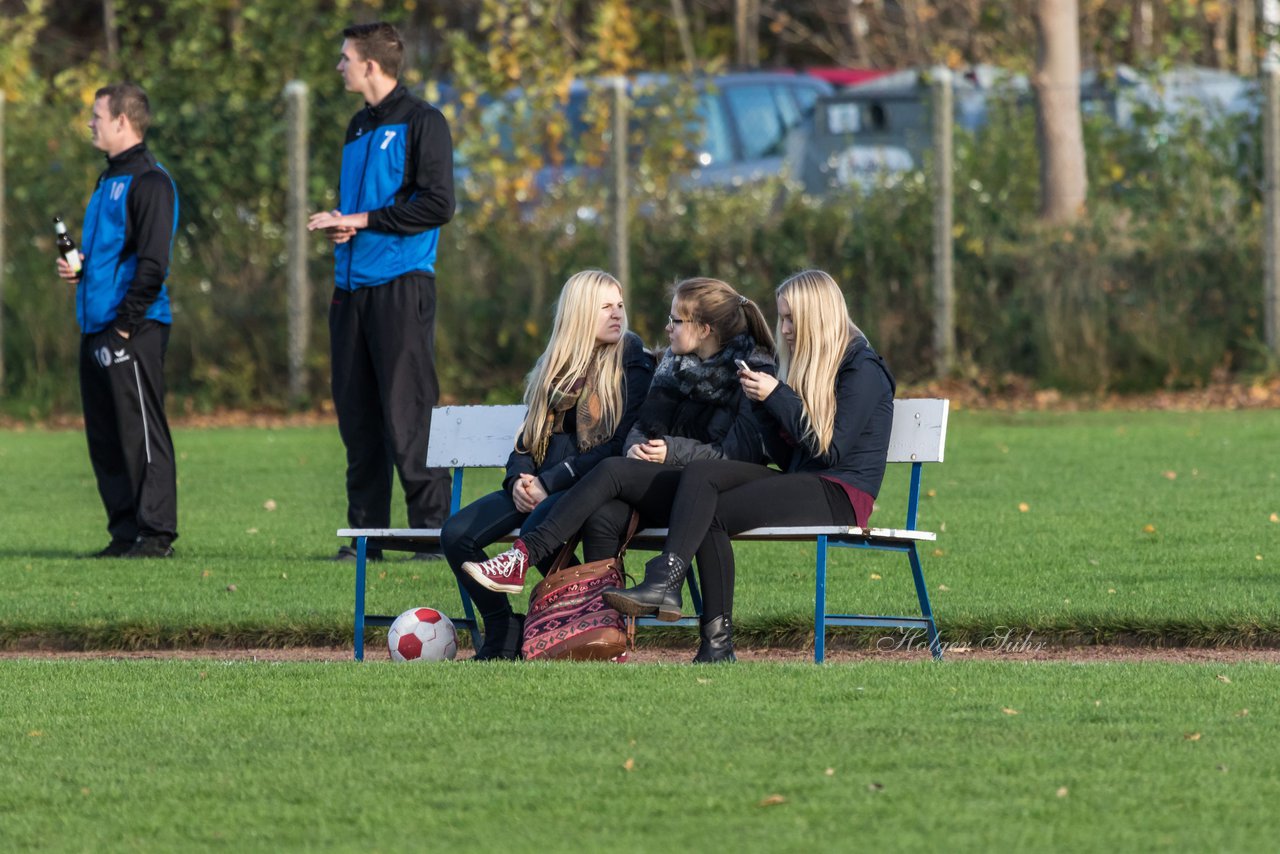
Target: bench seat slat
(431, 536)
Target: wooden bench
(464, 437)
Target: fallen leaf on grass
(1023, 507)
(772, 801)
(1257, 557)
(1222, 768)
(630, 764)
(1062, 791)
(1171, 475)
(1243, 713)
(251, 530)
(1148, 529)
(938, 552)
(1111, 590)
(830, 772)
(944, 588)
(206, 573)
(933, 493)
(1009, 711)
(704, 681)
(875, 787)
(84, 790)
(231, 588)
(875, 576)
(35, 733)
(1191, 736)
(1222, 678)
(269, 504)
(1275, 517)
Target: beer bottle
(66, 246)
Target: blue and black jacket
(127, 241)
(397, 166)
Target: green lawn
(1090, 525)
(965, 756)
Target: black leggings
(597, 504)
(719, 498)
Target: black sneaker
(115, 548)
(349, 553)
(146, 547)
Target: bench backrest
(919, 430)
(483, 436)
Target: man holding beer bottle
(122, 306)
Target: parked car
(743, 121)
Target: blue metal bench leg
(477, 638)
(362, 545)
(820, 603)
(926, 610)
(695, 595)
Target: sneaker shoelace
(504, 564)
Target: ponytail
(727, 312)
(757, 326)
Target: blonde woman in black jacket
(583, 395)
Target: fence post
(296, 103)
(1271, 176)
(944, 314)
(2, 227)
(619, 244)
(1271, 202)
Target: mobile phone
(742, 366)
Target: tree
(1056, 83)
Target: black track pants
(122, 392)
(382, 341)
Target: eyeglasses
(676, 321)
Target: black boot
(717, 641)
(502, 637)
(660, 590)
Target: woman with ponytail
(583, 395)
(696, 410)
(825, 421)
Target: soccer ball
(422, 634)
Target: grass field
(190, 756)
(1090, 526)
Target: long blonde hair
(823, 332)
(573, 353)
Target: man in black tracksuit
(122, 306)
(395, 192)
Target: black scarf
(712, 380)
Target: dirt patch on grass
(678, 655)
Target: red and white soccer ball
(422, 634)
